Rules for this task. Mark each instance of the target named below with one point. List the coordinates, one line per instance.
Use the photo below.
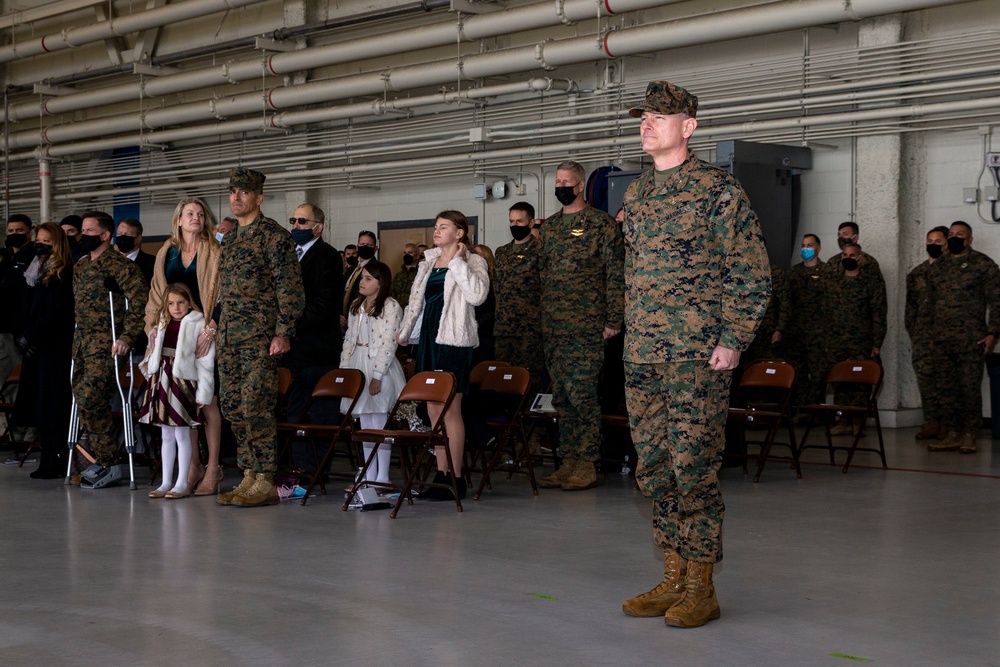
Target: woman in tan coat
(191, 257)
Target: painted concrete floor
(895, 567)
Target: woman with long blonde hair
(191, 257)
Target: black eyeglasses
(301, 221)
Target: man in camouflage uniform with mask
(768, 343)
(260, 297)
(919, 321)
(582, 291)
(518, 328)
(697, 284)
(965, 290)
(99, 271)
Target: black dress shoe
(433, 493)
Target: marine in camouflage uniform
(260, 297)
(965, 284)
(94, 383)
(775, 321)
(806, 346)
(402, 282)
(855, 315)
(919, 320)
(518, 328)
(582, 299)
(697, 285)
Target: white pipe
(25, 16)
(45, 190)
(744, 22)
(541, 15)
(116, 27)
(569, 148)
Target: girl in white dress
(370, 346)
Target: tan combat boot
(967, 443)
(227, 497)
(555, 480)
(930, 429)
(584, 477)
(842, 427)
(699, 604)
(670, 591)
(948, 444)
(262, 492)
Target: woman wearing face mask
(450, 283)
(191, 257)
(44, 394)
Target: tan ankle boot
(584, 477)
(262, 492)
(555, 480)
(930, 429)
(967, 443)
(699, 604)
(949, 443)
(657, 601)
(227, 498)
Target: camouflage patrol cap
(665, 98)
(246, 179)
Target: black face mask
(849, 263)
(16, 240)
(43, 249)
(407, 260)
(956, 246)
(302, 236)
(519, 233)
(366, 252)
(934, 250)
(565, 195)
(125, 243)
(90, 243)
(352, 260)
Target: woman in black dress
(450, 283)
(44, 395)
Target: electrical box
(479, 191)
(970, 195)
(991, 193)
(993, 159)
(478, 135)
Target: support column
(45, 190)
(883, 180)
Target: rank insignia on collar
(576, 232)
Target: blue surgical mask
(807, 253)
(219, 236)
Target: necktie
(298, 252)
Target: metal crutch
(74, 427)
(126, 398)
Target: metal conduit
(541, 15)
(756, 20)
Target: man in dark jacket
(15, 256)
(318, 338)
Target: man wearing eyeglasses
(367, 248)
(316, 346)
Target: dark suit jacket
(146, 262)
(317, 331)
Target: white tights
(176, 446)
(380, 466)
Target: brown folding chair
(414, 446)
(481, 370)
(8, 391)
(511, 453)
(284, 386)
(476, 377)
(336, 384)
(867, 373)
(762, 402)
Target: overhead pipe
(738, 23)
(565, 148)
(541, 15)
(292, 118)
(116, 27)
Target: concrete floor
(894, 567)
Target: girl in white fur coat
(449, 284)
(180, 384)
(370, 347)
